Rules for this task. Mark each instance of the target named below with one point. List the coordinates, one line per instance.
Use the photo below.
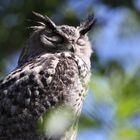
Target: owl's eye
(48, 31)
(81, 42)
(53, 37)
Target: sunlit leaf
(127, 107)
(86, 123)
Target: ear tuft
(86, 25)
(44, 19)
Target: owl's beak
(72, 48)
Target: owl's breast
(76, 75)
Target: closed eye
(53, 37)
(81, 42)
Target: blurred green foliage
(55, 122)
(122, 93)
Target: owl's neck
(85, 55)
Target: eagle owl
(52, 72)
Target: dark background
(112, 107)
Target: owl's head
(51, 38)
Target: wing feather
(32, 89)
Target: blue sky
(119, 37)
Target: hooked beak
(72, 48)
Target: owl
(52, 74)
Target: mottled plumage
(53, 70)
